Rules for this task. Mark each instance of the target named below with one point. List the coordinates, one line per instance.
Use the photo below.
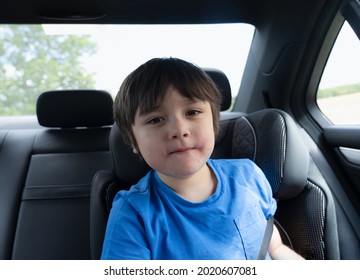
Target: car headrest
(281, 152)
(223, 85)
(128, 166)
(272, 140)
(269, 137)
(74, 108)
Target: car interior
(61, 168)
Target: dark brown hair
(145, 88)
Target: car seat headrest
(74, 108)
(272, 140)
(128, 166)
(223, 85)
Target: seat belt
(266, 239)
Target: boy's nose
(179, 129)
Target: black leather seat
(46, 174)
(306, 212)
(305, 216)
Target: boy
(188, 206)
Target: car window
(338, 96)
(38, 58)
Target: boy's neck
(195, 188)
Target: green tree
(339, 90)
(32, 62)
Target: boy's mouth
(180, 151)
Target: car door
(334, 107)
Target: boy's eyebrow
(142, 113)
(187, 101)
(195, 101)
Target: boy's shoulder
(137, 192)
(243, 167)
(232, 163)
(243, 174)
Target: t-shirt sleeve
(267, 202)
(125, 237)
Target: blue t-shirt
(151, 221)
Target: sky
(343, 66)
(206, 46)
(123, 48)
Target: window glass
(339, 91)
(37, 58)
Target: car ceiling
(153, 12)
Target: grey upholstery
(46, 174)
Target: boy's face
(177, 138)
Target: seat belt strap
(266, 239)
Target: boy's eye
(193, 113)
(155, 120)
